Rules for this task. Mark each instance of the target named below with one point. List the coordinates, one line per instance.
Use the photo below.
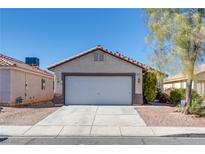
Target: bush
(177, 95)
(196, 104)
(195, 95)
(195, 107)
(162, 97)
(149, 86)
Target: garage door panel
(97, 90)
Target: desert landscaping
(168, 116)
(26, 115)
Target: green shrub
(177, 95)
(149, 86)
(196, 104)
(195, 95)
(195, 107)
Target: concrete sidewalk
(86, 131)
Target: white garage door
(98, 90)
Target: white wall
(200, 85)
(86, 64)
(200, 88)
(167, 85)
(174, 85)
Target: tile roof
(98, 47)
(6, 61)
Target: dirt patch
(26, 115)
(167, 116)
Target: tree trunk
(188, 96)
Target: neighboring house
(179, 81)
(22, 83)
(98, 76)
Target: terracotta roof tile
(116, 54)
(4, 62)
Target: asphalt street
(102, 141)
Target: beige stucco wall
(5, 89)
(86, 64)
(33, 92)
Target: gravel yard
(26, 115)
(167, 116)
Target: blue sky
(55, 34)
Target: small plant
(177, 95)
(196, 104)
(195, 95)
(149, 86)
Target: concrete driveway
(90, 121)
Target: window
(43, 84)
(199, 87)
(183, 84)
(203, 88)
(98, 56)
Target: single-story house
(22, 83)
(179, 81)
(98, 77)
